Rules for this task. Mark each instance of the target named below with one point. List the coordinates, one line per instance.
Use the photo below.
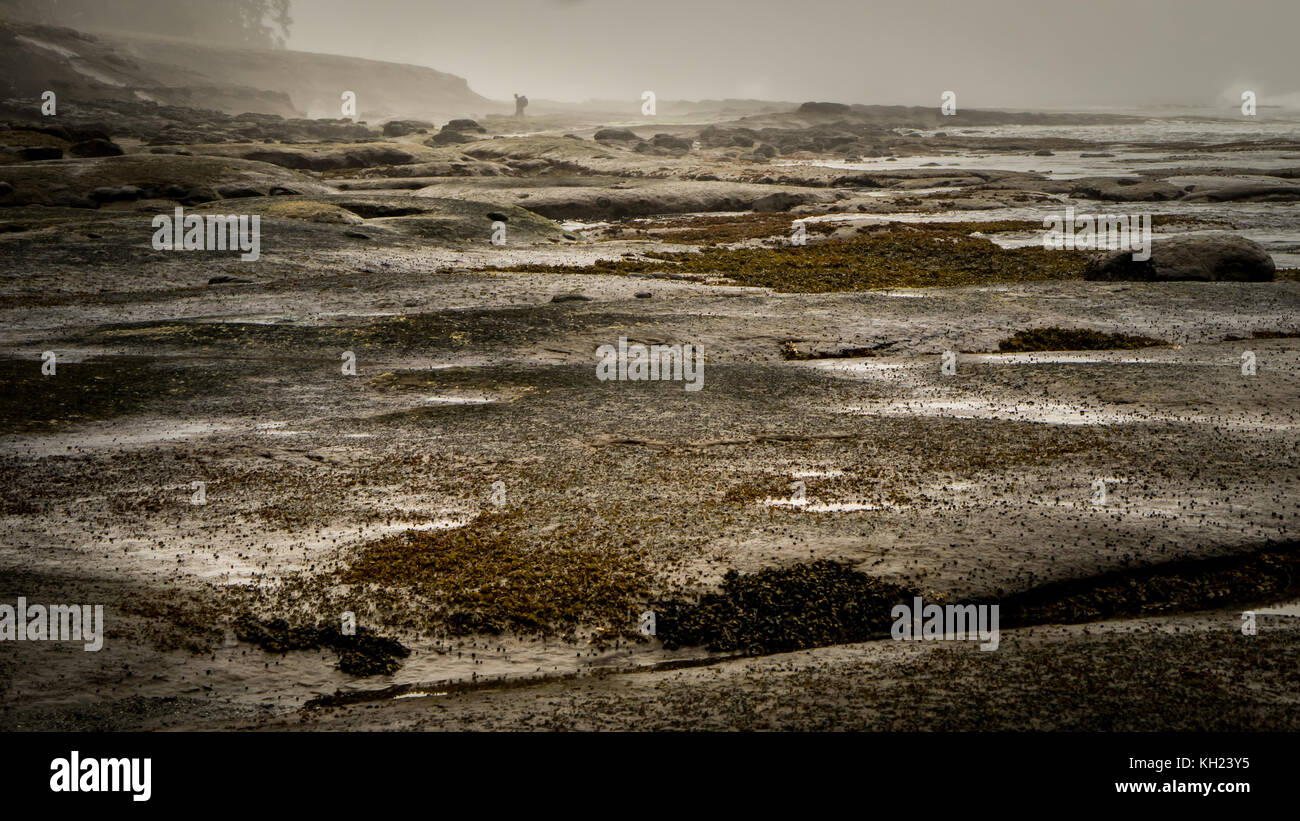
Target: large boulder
(465, 125)
(672, 142)
(456, 131)
(446, 137)
(1205, 257)
(823, 108)
(614, 134)
(400, 128)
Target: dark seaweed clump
(775, 610)
(1072, 339)
(360, 654)
(1266, 575)
(1264, 335)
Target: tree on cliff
(250, 23)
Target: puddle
(1050, 413)
(119, 437)
(867, 364)
(822, 507)
(1291, 609)
(457, 400)
(441, 523)
(816, 474)
(1065, 359)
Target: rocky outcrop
(671, 142)
(633, 198)
(823, 108)
(1123, 189)
(186, 72)
(1205, 257)
(364, 156)
(400, 128)
(90, 182)
(719, 137)
(457, 131)
(617, 134)
(1240, 188)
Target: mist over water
(998, 53)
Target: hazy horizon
(890, 52)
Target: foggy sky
(994, 53)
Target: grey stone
(1205, 257)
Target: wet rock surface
(482, 501)
(1207, 257)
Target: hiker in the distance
(520, 104)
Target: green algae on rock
(489, 576)
(895, 256)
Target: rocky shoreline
(496, 517)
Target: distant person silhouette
(520, 104)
